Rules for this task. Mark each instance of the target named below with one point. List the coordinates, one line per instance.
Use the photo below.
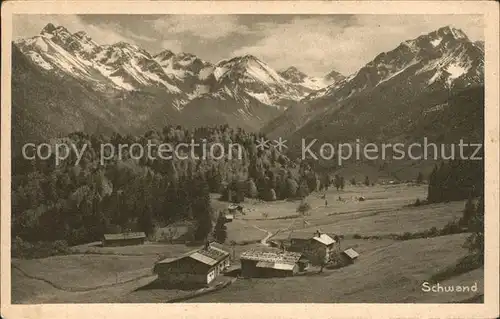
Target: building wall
(313, 250)
(249, 269)
(346, 259)
(190, 271)
(187, 278)
(271, 272)
(211, 276)
(302, 266)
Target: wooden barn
(271, 263)
(198, 267)
(123, 239)
(317, 247)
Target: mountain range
(122, 87)
(442, 61)
(63, 81)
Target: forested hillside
(78, 203)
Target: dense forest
(79, 203)
(456, 180)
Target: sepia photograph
(203, 157)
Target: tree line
(456, 180)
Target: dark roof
(124, 236)
(301, 234)
(322, 238)
(271, 255)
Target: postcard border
(490, 308)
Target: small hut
(349, 255)
(228, 218)
(197, 267)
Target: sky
(315, 44)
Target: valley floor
(387, 270)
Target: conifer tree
(420, 178)
(202, 209)
(220, 229)
(251, 189)
(303, 190)
(469, 212)
(475, 242)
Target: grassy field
(384, 211)
(386, 271)
(139, 250)
(393, 273)
(102, 274)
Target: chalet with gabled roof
(200, 266)
(317, 247)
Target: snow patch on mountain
(219, 72)
(205, 73)
(392, 75)
(435, 77)
(455, 71)
(119, 81)
(37, 58)
(40, 43)
(263, 97)
(436, 42)
(263, 73)
(297, 77)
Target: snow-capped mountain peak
(445, 56)
(125, 66)
(333, 77)
(451, 31)
(294, 75)
(247, 68)
(51, 29)
(121, 66)
(163, 55)
(249, 75)
(444, 60)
